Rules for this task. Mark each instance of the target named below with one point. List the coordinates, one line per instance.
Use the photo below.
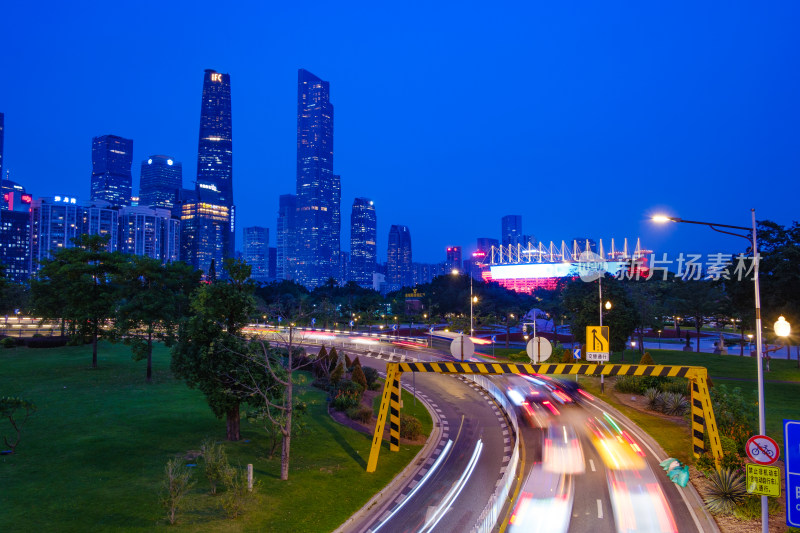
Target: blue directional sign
(394, 327)
(494, 338)
(431, 330)
(576, 353)
(351, 323)
(280, 319)
(791, 446)
(313, 321)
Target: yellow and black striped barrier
(702, 413)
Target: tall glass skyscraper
(286, 242)
(160, 180)
(318, 190)
(112, 157)
(511, 230)
(363, 235)
(399, 272)
(215, 148)
(2, 127)
(256, 252)
(15, 226)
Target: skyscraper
(318, 190)
(256, 252)
(453, 258)
(363, 241)
(205, 227)
(399, 272)
(2, 127)
(511, 231)
(485, 244)
(149, 231)
(15, 225)
(112, 157)
(160, 180)
(215, 149)
(285, 238)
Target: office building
(215, 154)
(453, 258)
(2, 134)
(399, 271)
(285, 238)
(57, 220)
(318, 189)
(256, 252)
(363, 241)
(112, 157)
(485, 244)
(511, 231)
(149, 231)
(272, 263)
(160, 180)
(205, 228)
(15, 225)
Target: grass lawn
(411, 407)
(93, 455)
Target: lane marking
(599, 509)
(591, 464)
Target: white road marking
(591, 464)
(599, 509)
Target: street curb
(398, 482)
(708, 524)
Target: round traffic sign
(539, 349)
(762, 449)
(462, 343)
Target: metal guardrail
(491, 513)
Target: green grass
(410, 407)
(92, 457)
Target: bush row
(37, 341)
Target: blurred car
(562, 450)
(638, 502)
(617, 449)
(552, 387)
(535, 414)
(544, 503)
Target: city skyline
(622, 118)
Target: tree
(700, 299)
(12, 409)
(206, 354)
(149, 305)
(580, 301)
(82, 276)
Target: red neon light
(27, 198)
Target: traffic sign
(576, 353)
(351, 324)
(763, 480)
(791, 444)
(313, 321)
(462, 344)
(762, 449)
(597, 344)
(596, 357)
(494, 338)
(539, 349)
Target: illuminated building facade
(318, 189)
(112, 157)
(15, 226)
(215, 152)
(256, 252)
(511, 230)
(399, 271)
(205, 227)
(56, 220)
(150, 232)
(161, 179)
(285, 238)
(2, 128)
(453, 258)
(363, 241)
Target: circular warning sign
(762, 449)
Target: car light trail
(421, 483)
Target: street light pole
(754, 243)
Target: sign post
(539, 349)
(791, 443)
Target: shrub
(322, 383)
(8, 342)
(628, 384)
(337, 374)
(333, 357)
(679, 385)
(346, 395)
(362, 413)
(410, 427)
(655, 399)
(372, 378)
(237, 494)
(46, 342)
(750, 509)
(732, 461)
(177, 482)
(347, 362)
(646, 359)
(359, 377)
(705, 464)
(675, 404)
(736, 416)
(217, 469)
(727, 491)
(728, 445)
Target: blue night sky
(583, 117)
